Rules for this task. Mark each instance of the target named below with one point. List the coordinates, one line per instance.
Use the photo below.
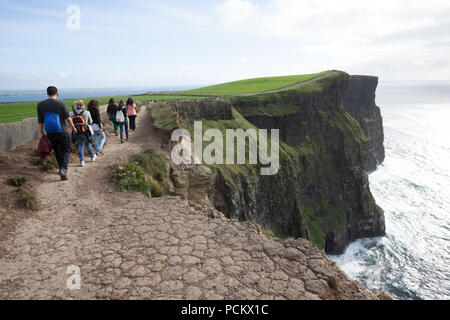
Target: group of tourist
(86, 124)
(121, 114)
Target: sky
(152, 44)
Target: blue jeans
(83, 140)
(99, 140)
(132, 122)
(61, 145)
(122, 125)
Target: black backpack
(79, 123)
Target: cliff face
(359, 101)
(321, 191)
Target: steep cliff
(321, 191)
(359, 101)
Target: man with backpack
(82, 120)
(53, 119)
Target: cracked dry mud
(131, 247)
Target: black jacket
(112, 109)
(95, 114)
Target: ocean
(33, 95)
(413, 188)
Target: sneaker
(121, 141)
(82, 163)
(100, 153)
(63, 174)
(94, 158)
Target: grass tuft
(47, 164)
(26, 200)
(18, 181)
(143, 173)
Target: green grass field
(251, 85)
(16, 111)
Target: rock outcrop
(359, 101)
(192, 183)
(321, 191)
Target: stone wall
(18, 133)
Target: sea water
(32, 95)
(413, 188)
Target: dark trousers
(132, 122)
(61, 145)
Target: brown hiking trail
(132, 247)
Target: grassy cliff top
(16, 111)
(249, 86)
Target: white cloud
(234, 12)
(243, 60)
(62, 74)
(349, 19)
(352, 34)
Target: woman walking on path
(97, 126)
(81, 120)
(122, 121)
(112, 111)
(132, 113)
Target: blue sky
(152, 44)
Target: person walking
(82, 136)
(54, 119)
(132, 113)
(112, 111)
(97, 126)
(122, 120)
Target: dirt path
(130, 247)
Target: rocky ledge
(166, 248)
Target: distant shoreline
(7, 96)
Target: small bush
(26, 200)
(47, 164)
(142, 173)
(18, 181)
(158, 166)
(142, 161)
(131, 177)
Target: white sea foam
(413, 187)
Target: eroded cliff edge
(359, 101)
(321, 191)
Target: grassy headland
(252, 85)
(16, 111)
